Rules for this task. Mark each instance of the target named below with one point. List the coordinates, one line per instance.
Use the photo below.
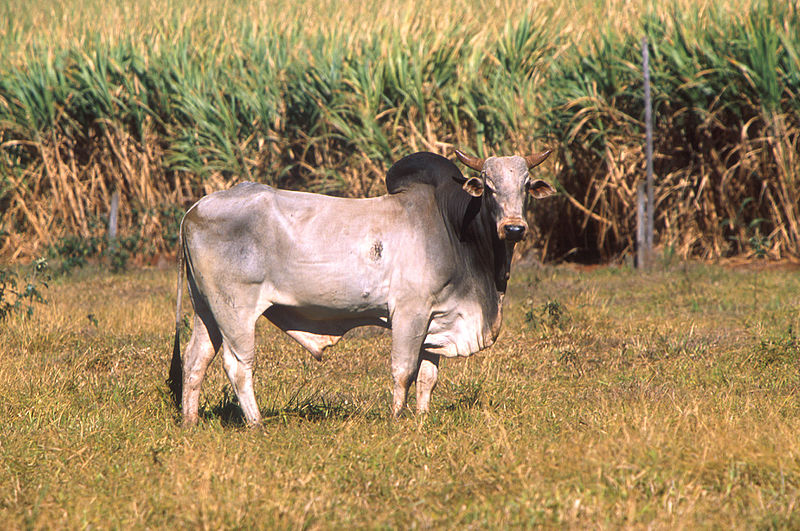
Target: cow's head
(504, 183)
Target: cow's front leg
(407, 337)
(427, 376)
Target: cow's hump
(423, 168)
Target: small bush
(18, 295)
(551, 314)
(120, 251)
(74, 252)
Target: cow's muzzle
(514, 233)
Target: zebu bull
(430, 260)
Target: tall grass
(166, 102)
(727, 128)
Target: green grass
(613, 398)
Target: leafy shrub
(74, 252)
(120, 251)
(551, 314)
(19, 295)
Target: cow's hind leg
(427, 376)
(202, 347)
(238, 358)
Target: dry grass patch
(613, 398)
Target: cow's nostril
(514, 233)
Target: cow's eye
(489, 185)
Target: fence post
(112, 216)
(641, 207)
(646, 257)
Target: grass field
(613, 398)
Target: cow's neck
(493, 257)
(492, 254)
(470, 219)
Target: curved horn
(472, 162)
(536, 159)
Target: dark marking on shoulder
(376, 251)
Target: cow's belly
(327, 278)
(321, 291)
(462, 330)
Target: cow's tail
(175, 379)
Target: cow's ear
(474, 186)
(540, 189)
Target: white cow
(430, 260)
